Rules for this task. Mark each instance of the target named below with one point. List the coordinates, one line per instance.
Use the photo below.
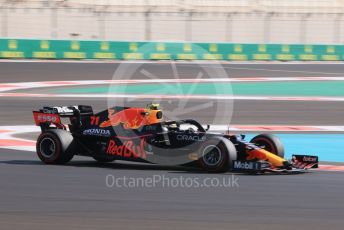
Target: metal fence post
(53, 22)
(267, 25)
(4, 24)
(101, 25)
(303, 28)
(148, 25)
(188, 26)
(337, 28)
(229, 28)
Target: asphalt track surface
(75, 196)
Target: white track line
(269, 70)
(189, 97)
(9, 132)
(5, 87)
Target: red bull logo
(262, 154)
(128, 150)
(256, 154)
(132, 118)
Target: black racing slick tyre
(55, 146)
(104, 159)
(217, 155)
(270, 143)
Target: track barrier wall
(83, 49)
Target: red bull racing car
(142, 135)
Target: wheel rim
(211, 155)
(47, 147)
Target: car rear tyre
(55, 146)
(217, 155)
(270, 143)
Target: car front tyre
(217, 155)
(270, 143)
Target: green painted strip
(333, 88)
(168, 89)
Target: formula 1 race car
(141, 135)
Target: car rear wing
(68, 111)
(52, 115)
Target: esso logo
(46, 118)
